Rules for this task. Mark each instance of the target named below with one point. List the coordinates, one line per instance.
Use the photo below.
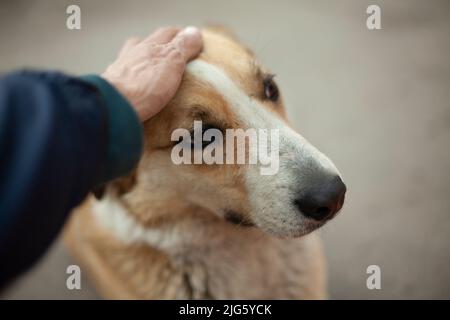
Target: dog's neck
(196, 233)
(113, 216)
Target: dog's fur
(166, 231)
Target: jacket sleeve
(59, 137)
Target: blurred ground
(377, 102)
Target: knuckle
(176, 52)
(172, 52)
(153, 49)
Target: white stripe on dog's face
(271, 197)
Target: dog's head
(226, 88)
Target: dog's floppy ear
(124, 184)
(99, 191)
(223, 30)
(118, 186)
(227, 32)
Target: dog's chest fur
(201, 259)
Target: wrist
(124, 137)
(122, 87)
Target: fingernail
(191, 30)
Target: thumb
(189, 41)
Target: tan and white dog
(202, 231)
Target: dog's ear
(227, 32)
(99, 191)
(118, 186)
(223, 30)
(124, 184)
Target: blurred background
(376, 102)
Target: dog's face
(226, 88)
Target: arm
(59, 137)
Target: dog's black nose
(323, 200)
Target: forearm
(59, 136)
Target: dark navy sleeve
(59, 137)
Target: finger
(189, 41)
(163, 35)
(130, 43)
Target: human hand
(148, 72)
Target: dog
(199, 231)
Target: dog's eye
(204, 143)
(270, 89)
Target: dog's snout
(323, 200)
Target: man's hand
(148, 72)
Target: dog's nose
(323, 200)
